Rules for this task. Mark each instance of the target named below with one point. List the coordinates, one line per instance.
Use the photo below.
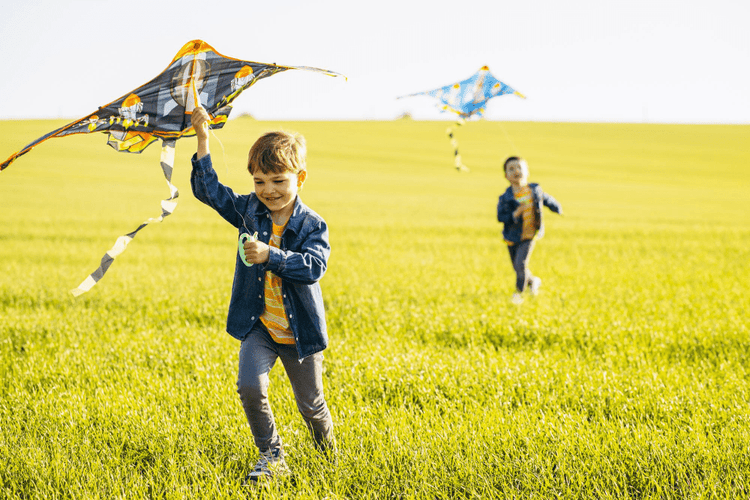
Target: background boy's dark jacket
(300, 262)
(507, 204)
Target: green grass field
(625, 378)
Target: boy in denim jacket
(520, 210)
(276, 308)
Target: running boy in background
(276, 308)
(520, 210)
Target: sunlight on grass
(626, 377)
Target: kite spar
(161, 109)
(468, 99)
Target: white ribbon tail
(167, 207)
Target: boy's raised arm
(198, 119)
(208, 189)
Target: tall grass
(625, 378)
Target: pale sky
(666, 61)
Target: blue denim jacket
(300, 262)
(507, 204)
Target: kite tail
(456, 156)
(167, 207)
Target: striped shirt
(274, 315)
(526, 200)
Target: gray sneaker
(270, 463)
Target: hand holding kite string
(197, 77)
(200, 120)
(254, 251)
(241, 250)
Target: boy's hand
(256, 252)
(198, 118)
(518, 212)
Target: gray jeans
(520, 253)
(258, 353)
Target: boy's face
(278, 191)
(517, 172)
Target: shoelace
(263, 462)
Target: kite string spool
(245, 237)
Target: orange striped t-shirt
(274, 315)
(526, 200)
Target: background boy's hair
(509, 161)
(278, 152)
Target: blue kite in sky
(468, 99)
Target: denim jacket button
(265, 233)
(290, 316)
(252, 318)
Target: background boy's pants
(258, 353)
(520, 253)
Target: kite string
(197, 103)
(512, 145)
(226, 168)
(223, 151)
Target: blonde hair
(278, 152)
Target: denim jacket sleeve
(505, 207)
(303, 260)
(551, 203)
(208, 189)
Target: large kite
(161, 109)
(468, 99)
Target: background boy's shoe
(270, 463)
(517, 298)
(535, 284)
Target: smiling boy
(520, 210)
(276, 308)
